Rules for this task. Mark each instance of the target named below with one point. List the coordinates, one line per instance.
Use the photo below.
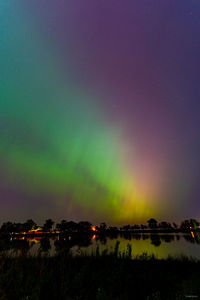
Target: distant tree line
(85, 226)
(154, 224)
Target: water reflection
(45, 245)
(160, 245)
(155, 240)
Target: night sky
(99, 110)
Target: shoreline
(99, 233)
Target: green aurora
(54, 137)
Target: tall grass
(101, 276)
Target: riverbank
(91, 232)
(101, 277)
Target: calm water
(161, 245)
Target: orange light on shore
(93, 228)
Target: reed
(100, 276)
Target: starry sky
(99, 110)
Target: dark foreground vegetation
(102, 277)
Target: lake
(159, 244)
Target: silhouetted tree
(18, 227)
(62, 226)
(164, 225)
(135, 227)
(48, 225)
(189, 224)
(28, 225)
(113, 228)
(143, 226)
(185, 224)
(126, 227)
(7, 227)
(152, 223)
(194, 223)
(84, 226)
(103, 226)
(72, 226)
